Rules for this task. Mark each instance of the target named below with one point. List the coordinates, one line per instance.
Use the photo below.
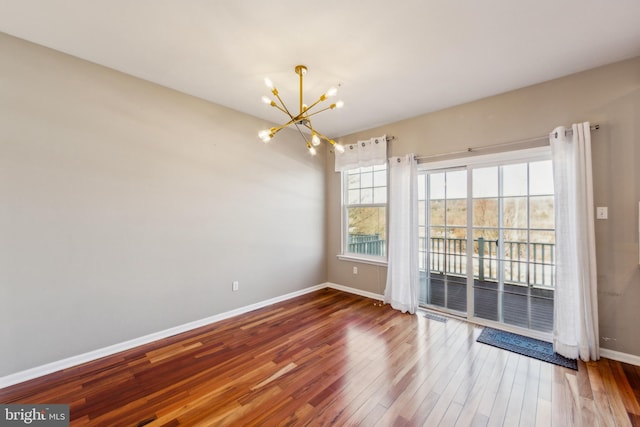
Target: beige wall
(609, 96)
(127, 208)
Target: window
(365, 212)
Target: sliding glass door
(514, 241)
(487, 242)
(443, 239)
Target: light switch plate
(602, 212)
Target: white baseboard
(620, 357)
(609, 354)
(354, 291)
(69, 362)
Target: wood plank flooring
(332, 358)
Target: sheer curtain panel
(402, 272)
(575, 330)
(369, 152)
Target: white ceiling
(392, 60)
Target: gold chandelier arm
(284, 107)
(294, 121)
(329, 140)
(279, 128)
(309, 126)
(317, 112)
(321, 136)
(281, 109)
(301, 134)
(322, 98)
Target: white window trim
(373, 261)
(529, 154)
(347, 256)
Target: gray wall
(607, 95)
(127, 208)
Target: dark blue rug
(526, 346)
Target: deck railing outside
(536, 268)
(367, 244)
(448, 256)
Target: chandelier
(303, 117)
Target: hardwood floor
(332, 358)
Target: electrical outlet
(235, 286)
(355, 270)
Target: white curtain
(370, 152)
(402, 271)
(575, 329)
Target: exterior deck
(532, 312)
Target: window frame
(344, 220)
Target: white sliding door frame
(471, 163)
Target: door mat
(435, 317)
(526, 346)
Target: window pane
(515, 236)
(540, 178)
(380, 195)
(542, 258)
(515, 256)
(366, 195)
(353, 197)
(436, 186)
(456, 244)
(457, 212)
(437, 232)
(437, 252)
(542, 212)
(542, 253)
(422, 208)
(485, 253)
(514, 212)
(485, 182)
(436, 212)
(354, 180)
(487, 234)
(456, 185)
(366, 179)
(514, 179)
(543, 237)
(380, 179)
(485, 212)
(366, 231)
